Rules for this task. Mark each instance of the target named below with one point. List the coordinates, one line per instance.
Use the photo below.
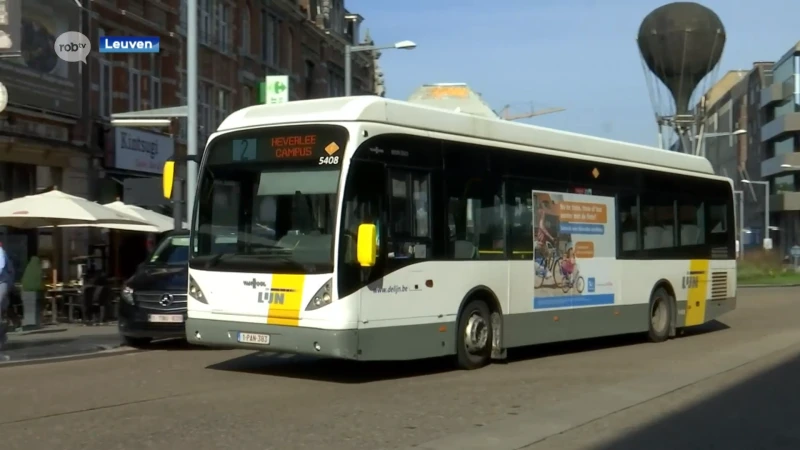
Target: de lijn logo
(73, 47)
(129, 44)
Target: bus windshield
(269, 207)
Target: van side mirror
(367, 244)
(167, 179)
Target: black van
(153, 301)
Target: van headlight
(195, 292)
(127, 294)
(321, 298)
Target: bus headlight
(127, 294)
(322, 298)
(195, 292)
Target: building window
(222, 17)
(206, 9)
(309, 79)
(783, 71)
(106, 88)
(204, 112)
(288, 54)
(247, 96)
(784, 147)
(335, 84)
(182, 101)
(134, 83)
(246, 31)
(155, 81)
(223, 105)
(184, 15)
(269, 38)
(783, 183)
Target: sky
(580, 55)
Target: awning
(160, 113)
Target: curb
(99, 351)
(760, 286)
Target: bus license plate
(165, 318)
(253, 338)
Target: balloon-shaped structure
(681, 43)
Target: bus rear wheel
(474, 339)
(660, 316)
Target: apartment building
(780, 137)
(732, 105)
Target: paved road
(732, 388)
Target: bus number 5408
(328, 160)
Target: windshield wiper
(214, 259)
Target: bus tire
(659, 315)
(474, 338)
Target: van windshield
(173, 250)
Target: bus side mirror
(367, 244)
(168, 178)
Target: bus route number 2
(324, 160)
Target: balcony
(787, 123)
(772, 166)
(785, 201)
(777, 92)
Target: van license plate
(253, 338)
(165, 318)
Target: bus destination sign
(294, 147)
(316, 145)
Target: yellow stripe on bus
(288, 312)
(696, 281)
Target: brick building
(56, 130)
(240, 42)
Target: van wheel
(660, 316)
(474, 339)
(136, 342)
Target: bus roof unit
(421, 117)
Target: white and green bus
(365, 228)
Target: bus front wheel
(660, 316)
(474, 341)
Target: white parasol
(160, 222)
(55, 208)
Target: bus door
(406, 243)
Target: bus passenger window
(629, 223)
(398, 206)
(420, 194)
(658, 221)
(691, 219)
(409, 215)
(477, 215)
(718, 219)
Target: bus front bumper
(341, 344)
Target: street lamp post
(766, 210)
(191, 104)
(701, 145)
(348, 59)
(741, 233)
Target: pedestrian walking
(6, 283)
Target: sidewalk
(63, 340)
